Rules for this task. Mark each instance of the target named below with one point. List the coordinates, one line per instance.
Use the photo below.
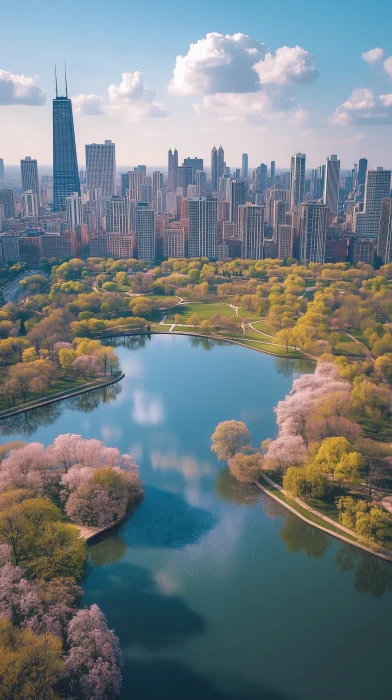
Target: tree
(28, 466)
(23, 374)
(194, 320)
(367, 520)
(331, 452)
(347, 469)
(245, 468)
(284, 337)
(375, 457)
(87, 365)
(30, 665)
(93, 665)
(286, 451)
(58, 552)
(305, 482)
(229, 437)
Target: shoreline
(378, 551)
(81, 389)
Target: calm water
(216, 592)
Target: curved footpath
(68, 393)
(377, 550)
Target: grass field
(204, 311)
(346, 346)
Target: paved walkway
(387, 503)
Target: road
(12, 290)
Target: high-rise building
(362, 250)
(201, 183)
(221, 162)
(172, 166)
(284, 241)
(202, 235)
(214, 170)
(278, 216)
(2, 174)
(251, 231)
(117, 215)
(331, 185)
(157, 183)
(74, 209)
(173, 243)
(261, 178)
(244, 168)
(238, 196)
(145, 232)
(2, 217)
(317, 182)
(362, 170)
(384, 247)
(297, 179)
(378, 186)
(65, 162)
(313, 232)
(124, 184)
(134, 191)
(8, 199)
(272, 173)
(29, 172)
(195, 164)
(184, 177)
(101, 167)
(29, 205)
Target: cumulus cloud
(218, 63)
(373, 55)
(134, 99)
(90, 105)
(388, 66)
(19, 89)
(364, 107)
(238, 77)
(287, 66)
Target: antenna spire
(65, 75)
(55, 78)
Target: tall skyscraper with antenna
(65, 162)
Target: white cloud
(237, 77)
(90, 105)
(388, 66)
(373, 55)
(288, 66)
(218, 63)
(135, 100)
(364, 107)
(18, 89)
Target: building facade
(202, 236)
(251, 231)
(65, 162)
(29, 173)
(384, 246)
(313, 232)
(331, 184)
(101, 167)
(297, 179)
(145, 233)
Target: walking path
(376, 550)
(367, 351)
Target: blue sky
(287, 100)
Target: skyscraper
(317, 182)
(251, 231)
(2, 175)
(157, 183)
(202, 233)
(238, 195)
(297, 179)
(195, 164)
(29, 172)
(378, 186)
(184, 178)
(221, 162)
(8, 199)
(101, 167)
(384, 247)
(145, 233)
(135, 185)
(65, 162)
(172, 165)
(244, 169)
(284, 241)
(201, 183)
(214, 170)
(117, 215)
(73, 206)
(331, 184)
(362, 169)
(313, 232)
(272, 172)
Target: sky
(265, 78)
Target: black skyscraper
(362, 168)
(65, 163)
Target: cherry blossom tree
(93, 665)
(88, 366)
(286, 451)
(229, 437)
(29, 466)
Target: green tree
(305, 482)
(245, 468)
(229, 437)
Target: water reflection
(227, 488)
(127, 341)
(287, 366)
(148, 408)
(106, 551)
(371, 575)
(27, 423)
(167, 520)
(298, 536)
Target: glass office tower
(65, 163)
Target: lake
(215, 590)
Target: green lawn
(204, 311)
(260, 325)
(346, 346)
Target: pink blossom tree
(29, 466)
(93, 666)
(88, 366)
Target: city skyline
(270, 91)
